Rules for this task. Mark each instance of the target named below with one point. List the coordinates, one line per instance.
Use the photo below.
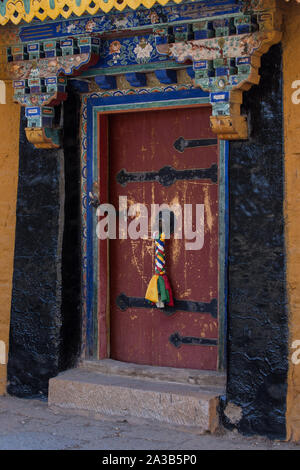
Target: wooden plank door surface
(141, 143)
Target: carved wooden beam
(226, 55)
(222, 55)
(39, 72)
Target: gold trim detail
(37, 136)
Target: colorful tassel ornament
(159, 289)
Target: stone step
(116, 396)
(169, 374)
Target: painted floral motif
(90, 26)
(48, 67)
(71, 28)
(115, 47)
(127, 51)
(154, 18)
(120, 22)
(35, 100)
(215, 48)
(115, 50)
(143, 50)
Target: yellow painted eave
(41, 9)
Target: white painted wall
(2, 353)
(2, 92)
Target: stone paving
(31, 425)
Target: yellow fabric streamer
(152, 291)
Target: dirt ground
(31, 425)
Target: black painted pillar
(257, 313)
(46, 281)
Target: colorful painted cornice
(219, 47)
(27, 10)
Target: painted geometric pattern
(84, 209)
(18, 10)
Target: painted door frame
(95, 304)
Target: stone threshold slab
(164, 402)
(170, 374)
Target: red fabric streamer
(169, 289)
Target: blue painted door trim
(97, 103)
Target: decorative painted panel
(218, 43)
(39, 70)
(226, 60)
(129, 51)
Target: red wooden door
(143, 142)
